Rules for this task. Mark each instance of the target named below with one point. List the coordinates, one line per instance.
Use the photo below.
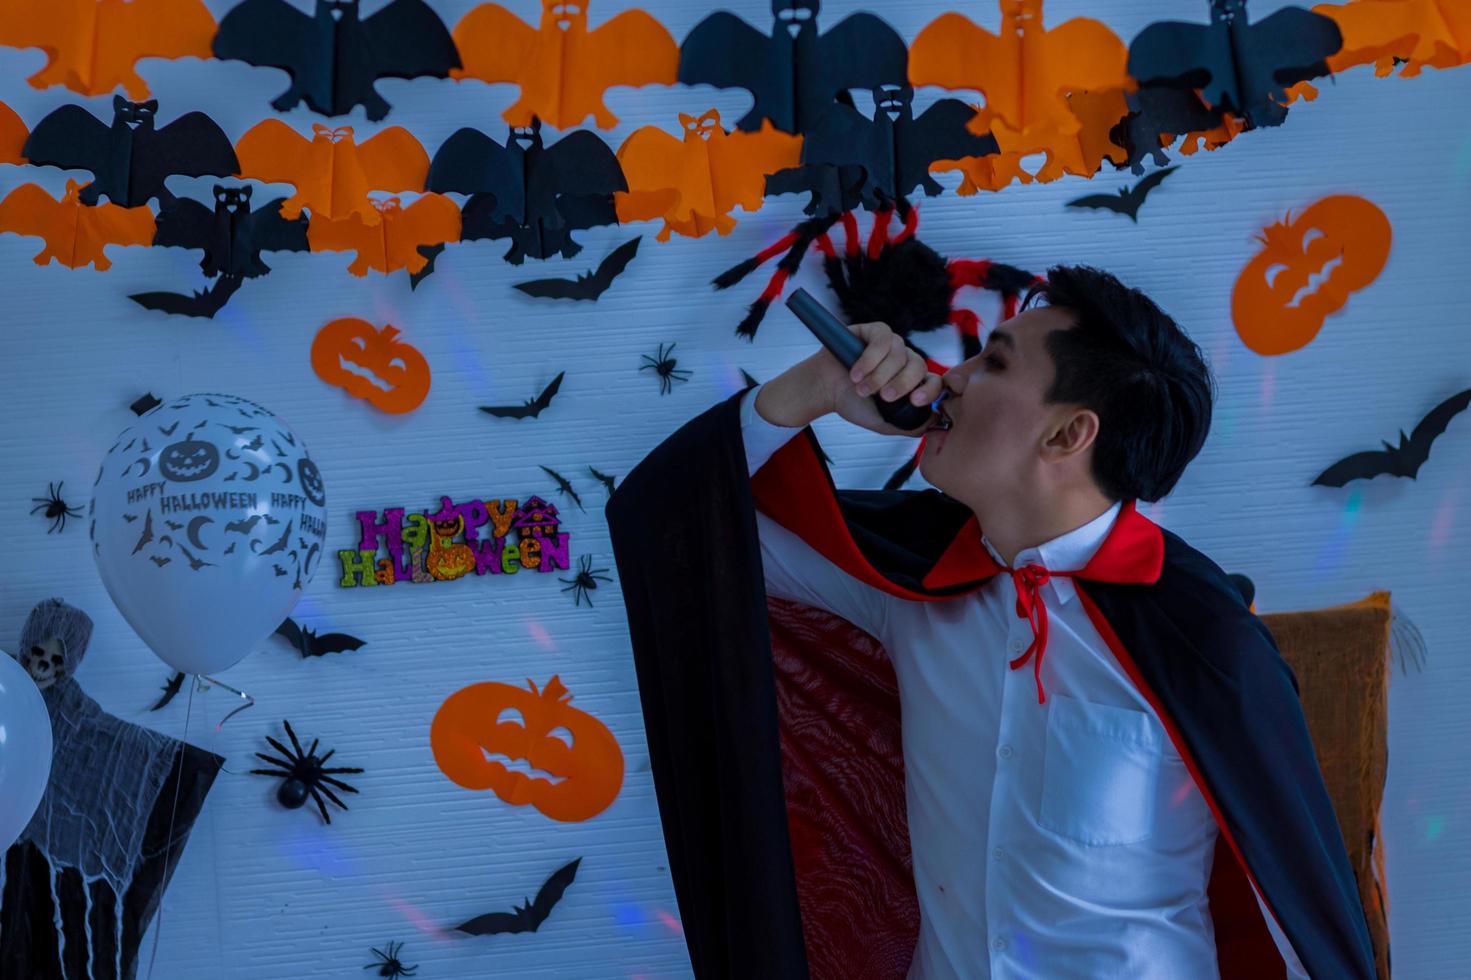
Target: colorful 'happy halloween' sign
(574, 767)
(423, 547)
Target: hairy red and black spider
(892, 278)
(304, 774)
(388, 963)
(56, 509)
(664, 366)
(585, 580)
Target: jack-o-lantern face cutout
(371, 364)
(1306, 270)
(310, 479)
(189, 460)
(529, 747)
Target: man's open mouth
(943, 422)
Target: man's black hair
(1130, 363)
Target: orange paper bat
(12, 135)
(1025, 71)
(393, 241)
(1434, 33)
(332, 173)
(91, 45)
(693, 184)
(562, 67)
(74, 233)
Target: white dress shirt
(1063, 839)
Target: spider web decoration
(80, 886)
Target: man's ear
(1073, 433)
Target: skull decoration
(53, 641)
(189, 460)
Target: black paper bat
(1155, 111)
(534, 194)
(563, 486)
(604, 478)
(1240, 67)
(527, 917)
(529, 409)
(849, 159)
(1126, 200)
(794, 75)
(310, 644)
(170, 689)
(231, 234)
(334, 56)
(130, 158)
(430, 253)
(589, 285)
(1402, 460)
(202, 302)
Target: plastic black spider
(586, 579)
(55, 508)
(304, 774)
(388, 964)
(664, 366)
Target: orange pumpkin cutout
(371, 364)
(576, 766)
(1306, 270)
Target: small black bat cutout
(588, 285)
(564, 487)
(202, 302)
(311, 644)
(529, 409)
(1126, 200)
(527, 917)
(169, 690)
(1402, 460)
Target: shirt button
(1005, 751)
(998, 944)
(1016, 646)
(997, 853)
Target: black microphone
(847, 346)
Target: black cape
(773, 727)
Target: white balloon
(208, 520)
(25, 749)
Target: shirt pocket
(1100, 775)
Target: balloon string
(173, 813)
(249, 699)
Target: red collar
(1133, 553)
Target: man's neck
(1024, 524)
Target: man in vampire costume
(1104, 769)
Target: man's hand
(817, 385)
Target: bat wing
(431, 220)
(611, 268)
(724, 51)
(1289, 46)
(324, 643)
(12, 136)
(551, 892)
(469, 162)
(185, 223)
(394, 161)
(29, 210)
(1149, 182)
(150, 29)
(512, 411)
(169, 690)
(740, 162)
(70, 138)
(941, 133)
(495, 44)
(192, 145)
(1434, 423)
(274, 152)
(544, 399)
(861, 51)
(202, 303)
(1359, 466)
(483, 217)
(349, 234)
(495, 922)
(268, 33)
(633, 49)
(292, 633)
(581, 163)
(407, 40)
(1183, 55)
(952, 52)
(1103, 202)
(265, 230)
(651, 160)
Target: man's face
(999, 419)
